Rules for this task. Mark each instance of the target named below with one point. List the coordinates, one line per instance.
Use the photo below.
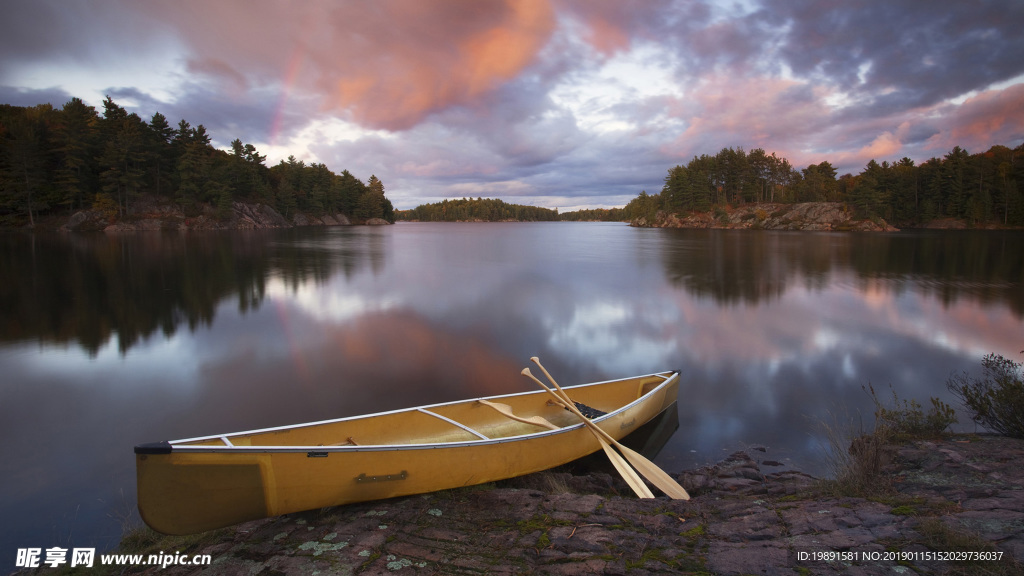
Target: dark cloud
(251, 117)
(900, 55)
(450, 94)
(95, 33)
(520, 124)
(44, 30)
(17, 96)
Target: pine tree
(24, 161)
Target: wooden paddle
(627, 473)
(649, 469)
(506, 410)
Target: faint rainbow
(298, 358)
(291, 75)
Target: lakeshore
(811, 216)
(951, 496)
(152, 213)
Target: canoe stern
(190, 493)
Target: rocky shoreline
(949, 497)
(824, 216)
(152, 215)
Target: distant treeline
(494, 210)
(481, 209)
(982, 188)
(55, 160)
(594, 215)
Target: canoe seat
(587, 411)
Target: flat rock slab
(739, 521)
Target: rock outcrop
(827, 216)
(150, 215)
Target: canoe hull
(193, 488)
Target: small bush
(721, 215)
(857, 460)
(906, 420)
(103, 203)
(997, 400)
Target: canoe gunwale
(182, 446)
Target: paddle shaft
(635, 483)
(572, 405)
(649, 469)
(628, 473)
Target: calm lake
(113, 340)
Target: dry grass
(855, 459)
(941, 536)
(555, 483)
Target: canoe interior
(417, 426)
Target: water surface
(113, 340)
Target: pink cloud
(990, 117)
(382, 64)
(888, 145)
(397, 85)
(725, 110)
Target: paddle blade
(648, 469)
(656, 475)
(625, 470)
(627, 473)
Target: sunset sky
(555, 103)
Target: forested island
(478, 210)
(982, 190)
(116, 168)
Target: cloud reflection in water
(769, 330)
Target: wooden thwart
(506, 411)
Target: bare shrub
(857, 459)
(997, 400)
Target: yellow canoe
(198, 484)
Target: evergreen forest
(56, 161)
(594, 215)
(61, 160)
(480, 209)
(983, 189)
